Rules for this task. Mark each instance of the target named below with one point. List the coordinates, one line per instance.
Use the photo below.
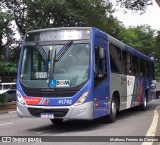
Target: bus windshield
(70, 70)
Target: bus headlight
(20, 98)
(82, 98)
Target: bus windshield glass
(39, 69)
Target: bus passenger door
(101, 78)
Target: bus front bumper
(83, 111)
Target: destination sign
(53, 35)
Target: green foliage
(3, 99)
(141, 38)
(37, 14)
(145, 40)
(8, 67)
(5, 30)
(5, 18)
(135, 5)
(40, 14)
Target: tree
(36, 14)
(5, 31)
(40, 14)
(157, 54)
(158, 2)
(136, 5)
(6, 40)
(145, 40)
(141, 38)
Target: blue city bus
(81, 73)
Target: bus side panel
(101, 91)
(141, 87)
(131, 89)
(137, 90)
(149, 86)
(148, 89)
(152, 92)
(118, 83)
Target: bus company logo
(63, 83)
(59, 83)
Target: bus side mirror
(101, 53)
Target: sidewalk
(11, 106)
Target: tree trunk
(158, 2)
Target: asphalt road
(129, 123)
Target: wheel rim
(113, 108)
(145, 102)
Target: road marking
(5, 124)
(43, 132)
(152, 129)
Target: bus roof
(110, 38)
(60, 28)
(126, 47)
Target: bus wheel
(158, 94)
(57, 121)
(113, 111)
(143, 107)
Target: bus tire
(143, 107)
(113, 111)
(57, 121)
(157, 94)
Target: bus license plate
(47, 116)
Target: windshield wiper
(62, 51)
(54, 60)
(59, 55)
(41, 51)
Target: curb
(8, 108)
(8, 111)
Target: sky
(150, 17)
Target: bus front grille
(57, 112)
(49, 94)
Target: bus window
(142, 67)
(147, 69)
(38, 66)
(129, 65)
(115, 59)
(124, 61)
(100, 67)
(135, 65)
(152, 71)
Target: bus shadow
(68, 126)
(83, 125)
(135, 111)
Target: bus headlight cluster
(82, 98)
(20, 98)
